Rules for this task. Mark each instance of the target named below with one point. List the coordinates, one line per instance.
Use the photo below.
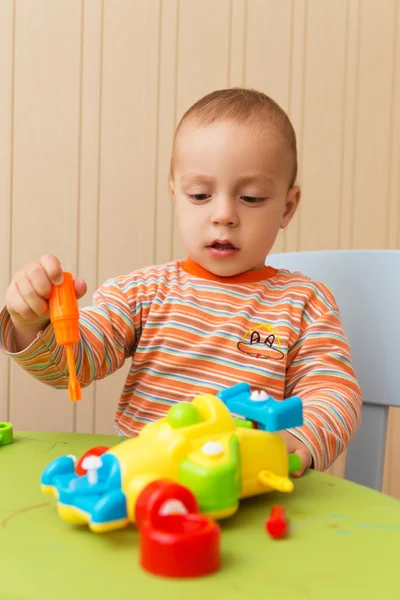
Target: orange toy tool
(64, 316)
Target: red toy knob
(276, 525)
(175, 545)
(96, 451)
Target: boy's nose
(224, 212)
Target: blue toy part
(111, 507)
(58, 468)
(284, 415)
(269, 414)
(103, 501)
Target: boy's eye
(199, 197)
(251, 199)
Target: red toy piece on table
(276, 525)
(175, 541)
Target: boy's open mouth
(222, 245)
(221, 249)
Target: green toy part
(295, 463)
(215, 488)
(183, 414)
(243, 423)
(6, 433)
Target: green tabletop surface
(343, 541)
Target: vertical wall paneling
(46, 130)
(374, 122)
(323, 115)
(268, 55)
(88, 180)
(237, 42)
(268, 48)
(297, 78)
(394, 140)
(202, 59)
(6, 162)
(349, 102)
(150, 127)
(166, 126)
(391, 483)
(128, 156)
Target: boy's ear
(171, 186)
(292, 202)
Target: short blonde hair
(241, 105)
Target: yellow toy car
(199, 446)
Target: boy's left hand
(294, 445)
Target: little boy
(220, 316)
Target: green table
(344, 541)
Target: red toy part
(175, 545)
(155, 496)
(96, 451)
(276, 525)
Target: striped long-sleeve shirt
(187, 331)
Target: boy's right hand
(27, 297)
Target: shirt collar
(193, 268)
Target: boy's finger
(38, 278)
(17, 305)
(36, 304)
(80, 287)
(52, 266)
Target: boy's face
(230, 188)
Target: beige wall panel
(46, 125)
(6, 146)
(166, 116)
(88, 190)
(268, 55)
(394, 149)
(268, 48)
(349, 102)
(202, 61)
(391, 483)
(128, 156)
(323, 124)
(374, 122)
(237, 42)
(299, 22)
(126, 200)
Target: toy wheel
(161, 498)
(96, 451)
(181, 546)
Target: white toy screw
(212, 448)
(92, 463)
(257, 395)
(173, 507)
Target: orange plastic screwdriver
(64, 316)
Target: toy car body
(201, 446)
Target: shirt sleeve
(108, 330)
(320, 372)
